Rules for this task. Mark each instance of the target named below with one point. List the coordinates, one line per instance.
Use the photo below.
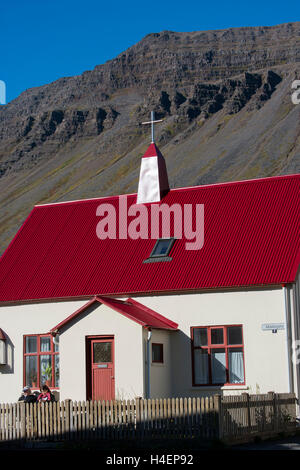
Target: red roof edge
(109, 302)
(71, 317)
(169, 323)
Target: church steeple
(153, 182)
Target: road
(288, 443)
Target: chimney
(153, 182)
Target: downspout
(148, 363)
(287, 300)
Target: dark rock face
(224, 97)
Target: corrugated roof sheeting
(251, 238)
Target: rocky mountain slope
(225, 97)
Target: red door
(102, 369)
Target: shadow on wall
(182, 369)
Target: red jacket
(44, 397)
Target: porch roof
(132, 309)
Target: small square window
(157, 352)
(161, 250)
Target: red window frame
(211, 346)
(161, 359)
(39, 353)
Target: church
(181, 292)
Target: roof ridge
(184, 188)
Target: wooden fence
(214, 417)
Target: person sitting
(27, 396)
(45, 394)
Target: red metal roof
(130, 308)
(251, 239)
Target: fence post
(219, 415)
(23, 420)
(272, 397)
(248, 415)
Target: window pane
(102, 352)
(157, 353)
(201, 366)
(56, 344)
(56, 370)
(31, 371)
(236, 366)
(45, 369)
(217, 336)
(235, 335)
(45, 342)
(31, 344)
(200, 336)
(161, 247)
(218, 366)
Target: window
(41, 361)
(218, 355)
(161, 250)
(157, 353)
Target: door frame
(88, 341)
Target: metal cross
(152, 122)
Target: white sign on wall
(272, 326)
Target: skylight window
(161, 250)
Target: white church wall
(160, 373)
(295, 322)
(19, 320)
(265, 352)
(103, 321)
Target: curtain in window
(236, 366)
(201, 366)
(45, 343)
(218, 366)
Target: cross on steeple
(152, 122)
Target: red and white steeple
(153, 182)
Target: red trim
(39, 353)
(211, 346)
(169, 323)
(89, 376)
(2, 335)
(71, 317)
(141, 314)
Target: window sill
(219, 387)
(157, 259)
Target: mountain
(225, 97)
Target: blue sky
(44, 40)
